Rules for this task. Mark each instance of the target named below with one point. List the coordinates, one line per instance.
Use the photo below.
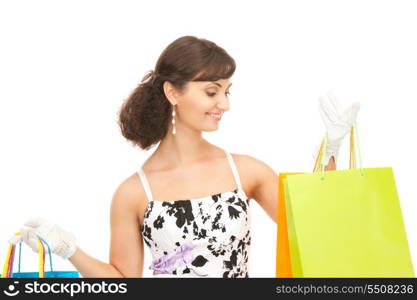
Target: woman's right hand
(61, 242)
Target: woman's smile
(215, 116)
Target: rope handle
(8, 265)
(355, 155)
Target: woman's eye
(214, 94)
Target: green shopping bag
(8, 265)
(346, 223)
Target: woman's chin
(211, 128)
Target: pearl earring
(173, 120)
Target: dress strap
(234, 170)
(145, 184)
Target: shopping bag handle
(8, 265)
(355, 155)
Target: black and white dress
(202, 237)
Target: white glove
(61, 242)
(338, 122)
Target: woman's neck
(182, 149)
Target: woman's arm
(265, 187)
(126, 247)
(90, 267)
(260, 182)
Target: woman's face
(202, 104)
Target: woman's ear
(171, 92)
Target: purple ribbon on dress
(170, 262)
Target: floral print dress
(202, 237)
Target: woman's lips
(216, 116)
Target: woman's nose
(223, 104)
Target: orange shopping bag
(283, 260)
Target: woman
(189, 202)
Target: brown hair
(145, 115)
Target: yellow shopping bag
(346, 223)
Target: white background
(66, 67)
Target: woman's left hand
(338, 122)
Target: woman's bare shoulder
(131, 186)
(247, 162)
(130, 193)
(252, 171)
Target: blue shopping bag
(8, 265)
